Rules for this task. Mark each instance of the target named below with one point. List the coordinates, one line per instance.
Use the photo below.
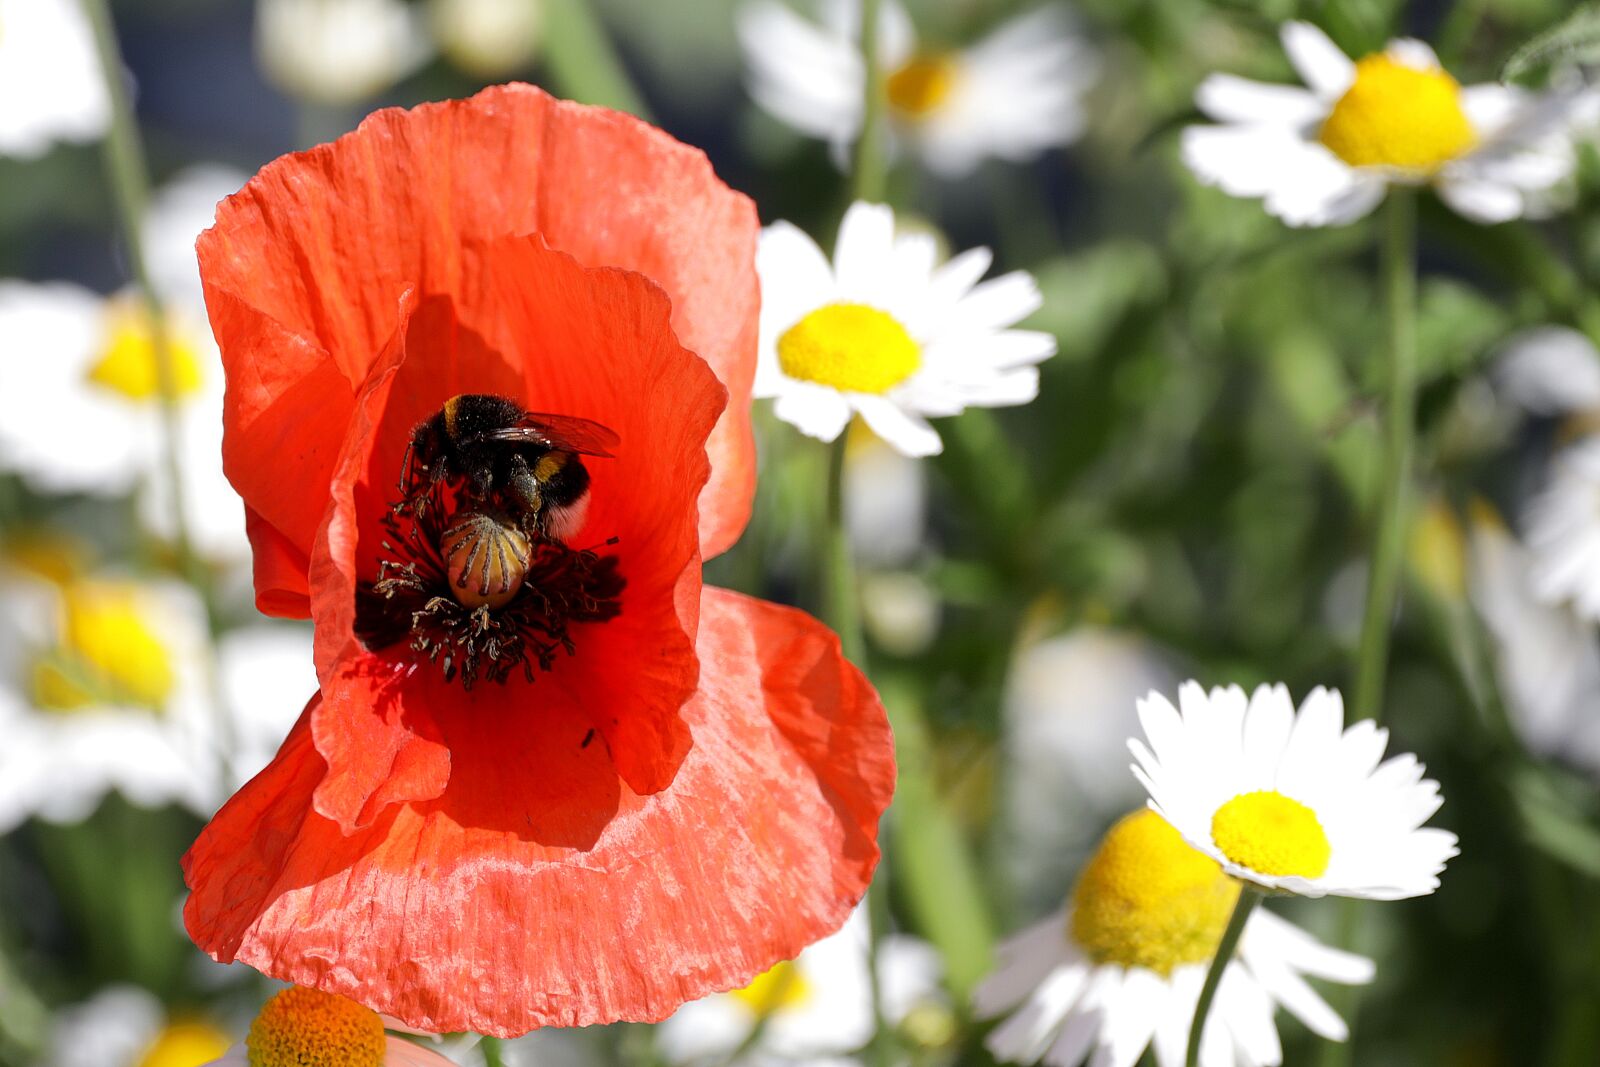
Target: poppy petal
(304, 264)
(514, 901)
(585, 341)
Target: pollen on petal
(303, 1027)
(1273, 834)
(1147, 899)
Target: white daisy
(889, 333)
(1563, 531)
(1121, 966)
(126, 1026)
(338, 52)
(1012, 95)
(80, 359)
(304, 1026)
(1289, 801)
(1068, 711)
(1324, 155)
(51, 88)
(489, 38)
(1547, 659)
(102, 689)
(1549, 370)
(814, 1008)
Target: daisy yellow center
(1147, 899)
(1398, 116)
(922, 86)
(307, 1028)
(850, 347)
(109, 653)
(185, 1044)
(127, 363)
(1273, 834)
(776, 989)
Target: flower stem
(1389, 528)
(492, 1056)
(130, 186)
(841, 600)
(1389, 525)
(870, 173)
(1249, 897)
(581, 61)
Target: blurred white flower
(51, 88)
(1012, 95)
(1290, 800)
(1120, 967)
(338, 51)
(888, 333)
(1549, 370)
(885, 500)
(1562, 528)
(816, 1008)
(102, 688)
(126, 1026)
(70, 358)
(489, 38)
(1324, 155)
(1547, 659)
(1069, 709)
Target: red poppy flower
(600, 793)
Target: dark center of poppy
(475, 573)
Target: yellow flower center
(1400, 117)
(851, 347)
(1147, 899)
(127, 363)
(108, 654)
(307, 1028)
(776, 989)
(185, 1044)
(922, 86)
(1270, 833)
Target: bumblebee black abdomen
(470, 414)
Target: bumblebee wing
(565, 432)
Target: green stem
(841, 599)
(581, 61)
(492, 1054)
(1249, 897)
(870, 165)
(1389, 526)
(130, 187)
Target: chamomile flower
(1547, 659)
(1120, 967)
(1291, 801)
(814, 1008)
(888, 333)
(1012, 95)
(102, 689)
(127, 1026)
(338, 52)
(1549, 370)
(302, 1027)
(488, 38)
(50, 84)
(1563, 531)
(1325, 154)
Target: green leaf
(1575, 41)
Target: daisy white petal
(1318, 61)
(51, 88)
(1563, 532)
(1227, 98)
(1549, 370)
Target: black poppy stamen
(476, 578)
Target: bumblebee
(498, 455)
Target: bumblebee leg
(522, 487)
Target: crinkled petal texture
(1224, 744)
(305, 266)
(537, 889)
